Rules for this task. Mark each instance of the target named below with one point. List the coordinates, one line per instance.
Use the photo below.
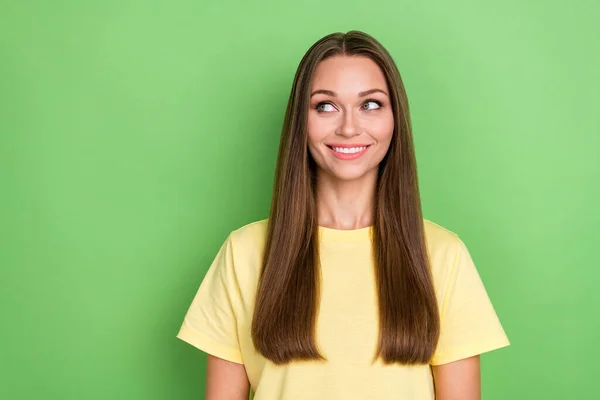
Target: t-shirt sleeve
(469, 324)
(210, 323)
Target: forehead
(348, 74)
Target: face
(350, 121)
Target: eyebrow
(360, 94)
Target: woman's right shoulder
(247, 246)
(250, 239)
(251, 232)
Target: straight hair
(288, 294)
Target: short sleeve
(210, 323)
(469, 324)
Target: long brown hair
(284, 321)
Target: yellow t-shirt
(220, 316)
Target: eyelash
(365, 102)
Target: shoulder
(251, 235)
(247, 245)
(437, 236)
(443, 247)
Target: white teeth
(350, 150)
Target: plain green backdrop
(135, 135)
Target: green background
(135, 135)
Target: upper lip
(348, 146)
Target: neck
(346, 204)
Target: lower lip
(348, 156)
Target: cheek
(317, 129)
(315, 135)
(383, 129)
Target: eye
(371, 105)
(325, 107)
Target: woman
(345, 292)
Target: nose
(348, 125)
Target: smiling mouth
(348, 150)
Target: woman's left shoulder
(442, 246)
(438, 235)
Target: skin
(459, 380)
(346, 188)
(226, 380)
(349, 105)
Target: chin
(350, 174)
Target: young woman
(345, 292)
